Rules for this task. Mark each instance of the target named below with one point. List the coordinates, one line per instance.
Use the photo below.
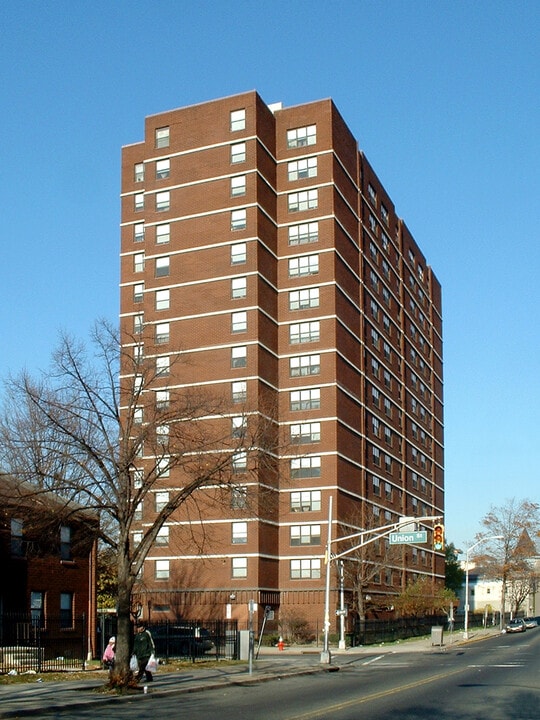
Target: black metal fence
(193, 640)
(371, 632)
(28, 645)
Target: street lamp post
(467, 552)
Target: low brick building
(48, 559)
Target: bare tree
(366, 565)
(91, 430)
(506, 559)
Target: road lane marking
(373, 696)
(368, 662)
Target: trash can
(437, 635)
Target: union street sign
(401, 538)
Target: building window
(309, 399)
(163, 233)
(304, 332)
(138, 511)
(138, 200)
(162, 266)
(305, 467)
(302, 433)
(162, 434)
(305, 568)
(162, 537)
(162, 399)
(303, 365)
(239, 462)
(161, 499)
(162, 570)
(305, 535)
(138, 323)
(239, 356)
(238, 152)
(139, 172)
(163, 200)
(375, 426)
(376, 456)
(238, 120)
(239, 533)
(306, 501)
(239, 567)
(239, 322)
(304, 200)
(37, 608)
(162, 333)
(238, 287)
(162, 137)
(163, 168)
(238, 185)
(164, 467)
(302, 169)
(303, 233)
(138, 232)
(304, 299)
(17, 543)
(239, 391)
(163, 299)
(385, 215)
(138, 292)
(305, 265)
(238, 253)
(238, 426)
(138, 262)
(238, 219)
(138, 416)
(302, 136)
(66, 610)
(376, 486)
(372, 194)
(239, 496)
(163, 366)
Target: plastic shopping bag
(133, 664)
(152, 664)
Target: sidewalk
(35, 697)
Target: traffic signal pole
(381, 532)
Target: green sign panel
(401, 538)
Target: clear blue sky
(444, 98)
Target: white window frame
(162, 137)
(162, 570)
(238, 185)
(239, 321)
(238, 253)
(238, 153)
(304, 265)
(163, 233)
(302, 169)
(302, 136)
(303, 200)
(163, 201)
(163, 333)
(306, 466)
(238, 120)
(163, 168)
(163, 299)
(239, 219)
(239, 287)
(304, 298)
(239, 356)
(304, 365)
(304, 233)
(305, 332)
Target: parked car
(530, 622)
(181, 640)
(516, 625)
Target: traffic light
(438, 537)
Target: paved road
(495, 679)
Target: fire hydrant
(281, 644)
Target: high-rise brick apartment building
(259, 240)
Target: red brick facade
(280, 243)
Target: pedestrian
(143, 647)
(108, 655)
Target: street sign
(402, 538)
